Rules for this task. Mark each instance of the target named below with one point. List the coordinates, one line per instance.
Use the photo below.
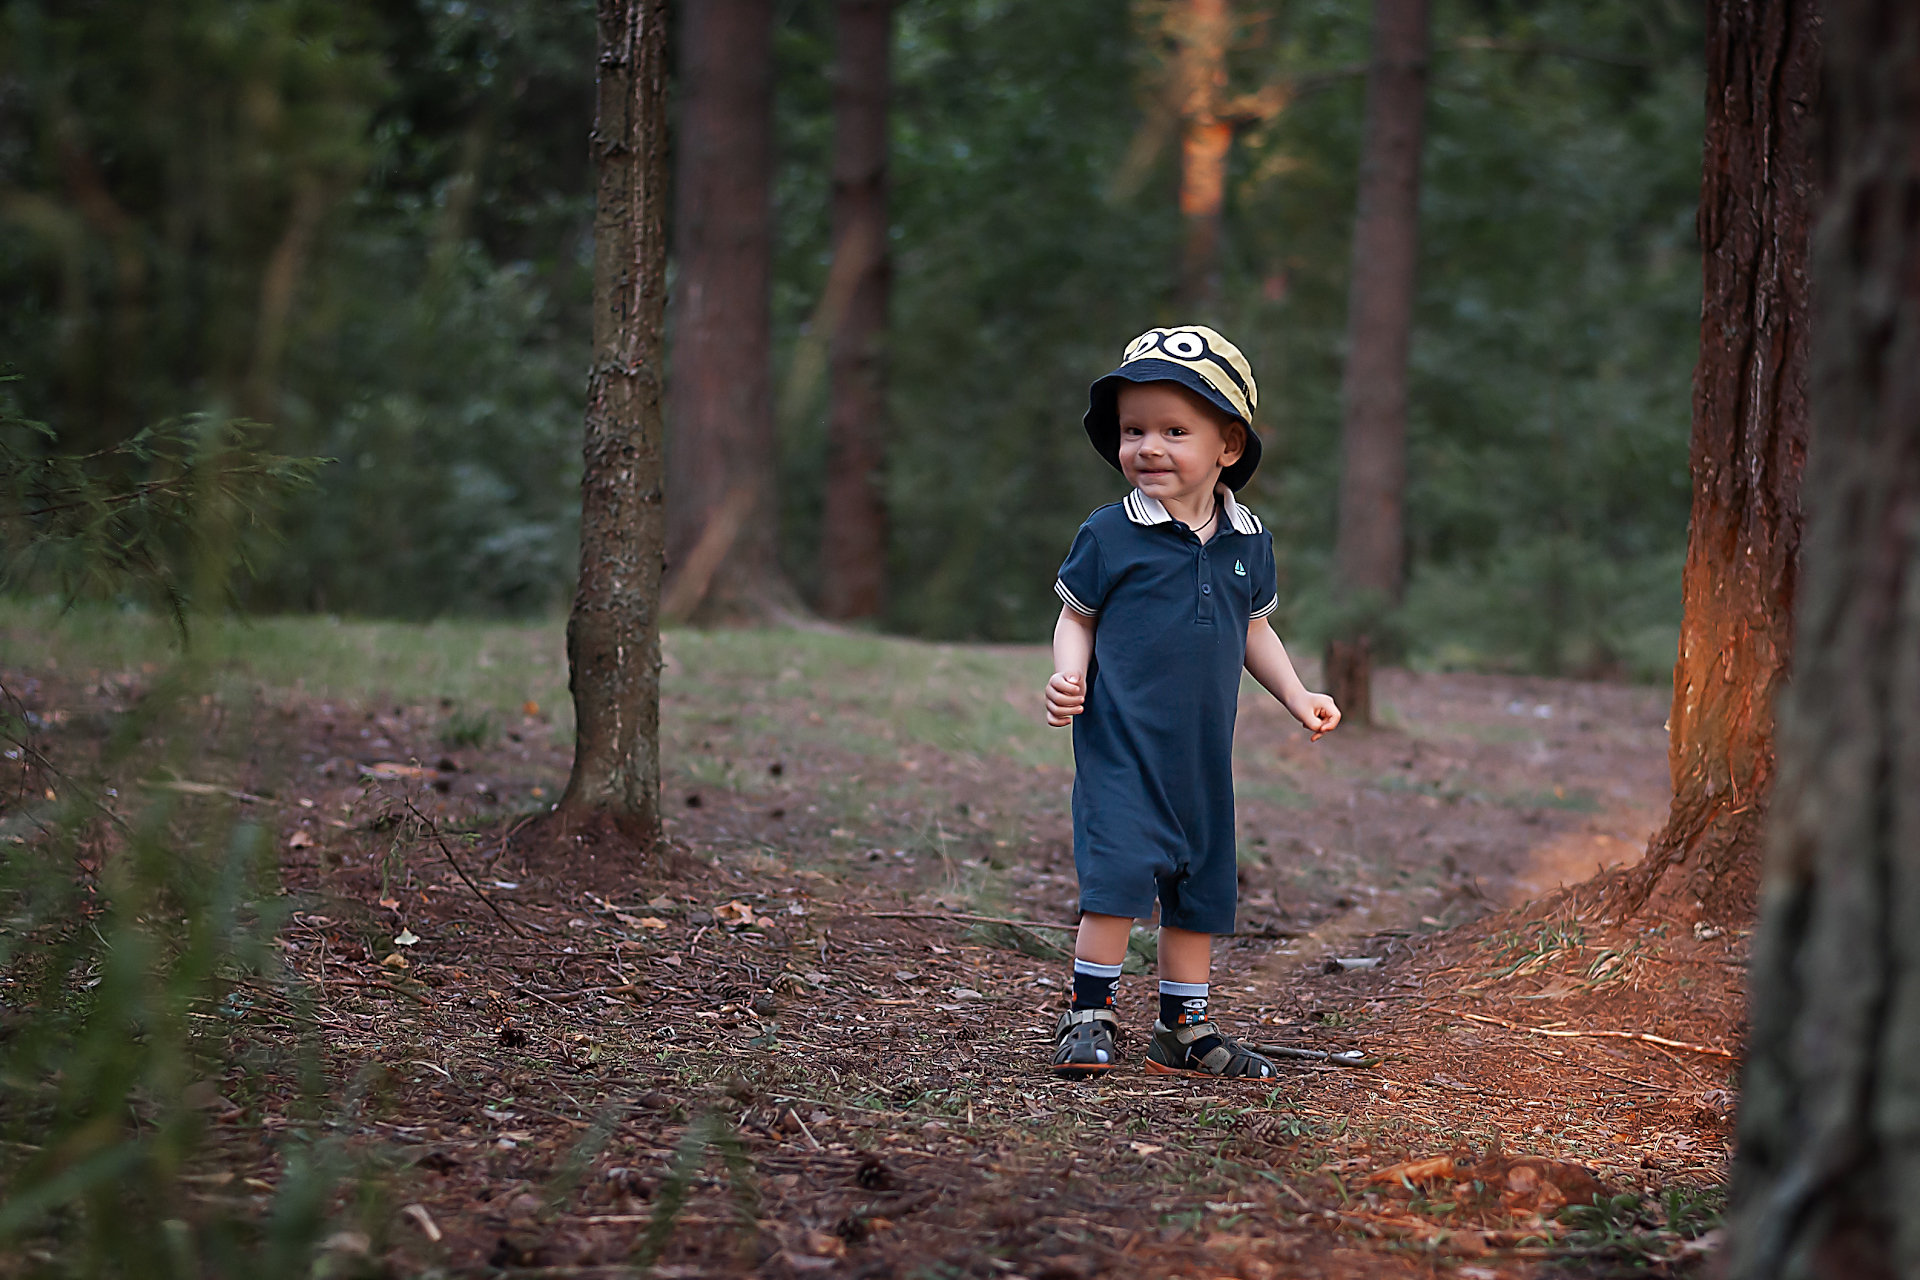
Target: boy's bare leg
(1083, 1042)
(1185, 956)
(1185, 1038)
(1103, 939)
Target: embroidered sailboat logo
(1239, 568)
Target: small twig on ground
(804, 1131)
(1562, 1062)
(1611, 1035)
(562, 997)
(1287, 1187)
(461, 871)
(1348, 1058)
(380, 986)
(201, 789)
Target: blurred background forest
(369, 225)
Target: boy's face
(1173, 444)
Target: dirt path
(782, 1060)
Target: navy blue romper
(1153, 748)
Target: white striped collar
(1144, 510)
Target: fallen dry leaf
(1415, 1170)
(423, 1220)
(823, 1244)
(300, 840)
(390, 769)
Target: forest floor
(803, 1045)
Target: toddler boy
(1166, 596)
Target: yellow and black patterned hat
(1195, 357)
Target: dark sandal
(1083, 1042)
(1171, 1054)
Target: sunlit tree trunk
(853, 554)
(1749, 444)
(722, 510)
(1202, 29)
(1827, 1173)
(613, 635)
(1369, 553)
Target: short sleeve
(1082, 583)
(1266, 596)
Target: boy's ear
(1234, 432)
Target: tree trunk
(853, 553)
(1348, 673)
(1827, 1171)
(613, 635)
(722, 510)
(1749, 445)
(1369, 552)
(1202, 31)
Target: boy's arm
(1267, 662)
(1072, 652)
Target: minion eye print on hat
(1198, 359)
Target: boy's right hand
(1066, 698)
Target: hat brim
(1103, 413)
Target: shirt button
(1206, 588)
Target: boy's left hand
(1318, 713)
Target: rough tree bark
(722, 510)
(853, 553)
(1369, 554)
(1749, 444)
(1203, 29)
(1827, 1170)
(613, 634)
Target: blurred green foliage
(137, 907)
(140, 517)
(370, 225)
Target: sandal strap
(1077, 1017)
(1218, 1059)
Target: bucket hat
(1195, 357)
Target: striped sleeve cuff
(1265, 609)
(1072, 601)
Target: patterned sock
(1095, 985)
(1182, 1004)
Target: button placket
(1203, 598)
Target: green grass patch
(479, 666)
(969, 700)
(975, 700)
